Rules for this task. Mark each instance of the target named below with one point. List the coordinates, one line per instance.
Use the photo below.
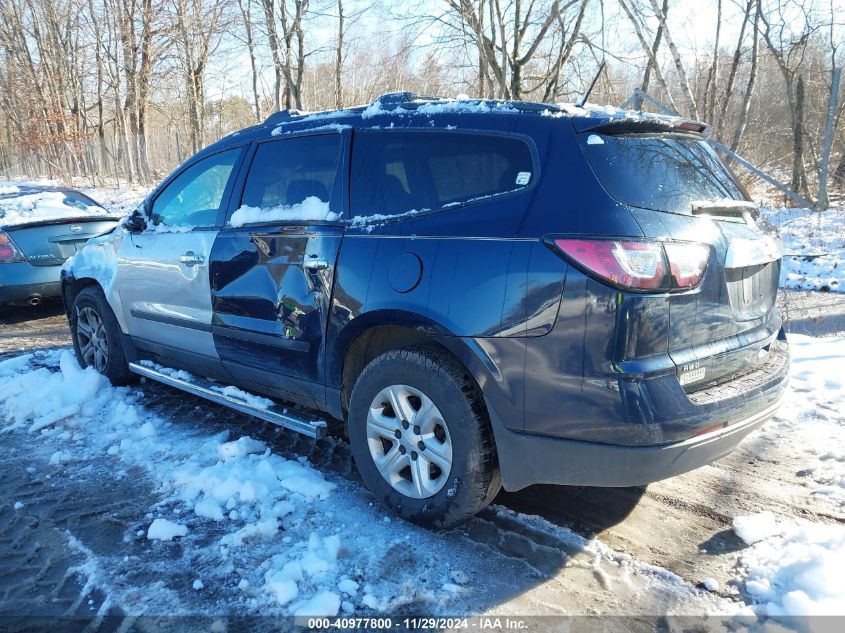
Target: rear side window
(292, 179)
(659, 171)
(398, 171)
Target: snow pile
(793, 569)
(271, 534)
(310, 209)
(756, 527)
(460, 105)
(8, 190)
(814, 247)
(811, 419)
(248, 398)
(164, 530)
(240, 484)
(43, 206)
(42, 398)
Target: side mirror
(136, 222)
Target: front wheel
(97, 336)
(420, 437)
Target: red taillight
(687, 262)
(646, 266)
(9, 253)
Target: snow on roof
(44, 206)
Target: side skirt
(300, 422)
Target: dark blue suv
(486, 293)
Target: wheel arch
(71, 287)
(372, 334)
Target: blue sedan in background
(41, 227)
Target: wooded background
(124, 90)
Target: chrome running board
(298, 421)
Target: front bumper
(21, 281)
(530, 459)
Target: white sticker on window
(594, 139)
(523, 177)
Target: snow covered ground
(262, 533)
(795, 567)
(259, 532)
(814, 247)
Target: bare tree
(652, 55)
(338, 83)
(788, 49)
(638, 102)
(246, 15)
(511, 40)
(752, 77)
(197, 36)
(676, 57)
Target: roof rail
(282, 115)
(398, 98)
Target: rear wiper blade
(724, 207)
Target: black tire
(474, 479)
(116, 368)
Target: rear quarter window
(394, 172)
(664, 172)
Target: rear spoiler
(53, 221)
(635, 125)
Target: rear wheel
(421, 439)
(97, 336)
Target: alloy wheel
(91, 334)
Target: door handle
(190, 258)
(315, 264)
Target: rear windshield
(664, 172)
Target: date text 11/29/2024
(481, 623)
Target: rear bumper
(529, 459)
(21, 281)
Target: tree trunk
(275, 50)
(338, 62)
(712, 84)
(246, 12)
(749, 89)
(679, 65)
(799, 177)
(651, 56)
(638, 102)
(737, 57)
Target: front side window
(395, 172)
(292, 180)
(195, 196)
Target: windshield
(664, 172)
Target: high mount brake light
(644, 266)
(9, 253)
